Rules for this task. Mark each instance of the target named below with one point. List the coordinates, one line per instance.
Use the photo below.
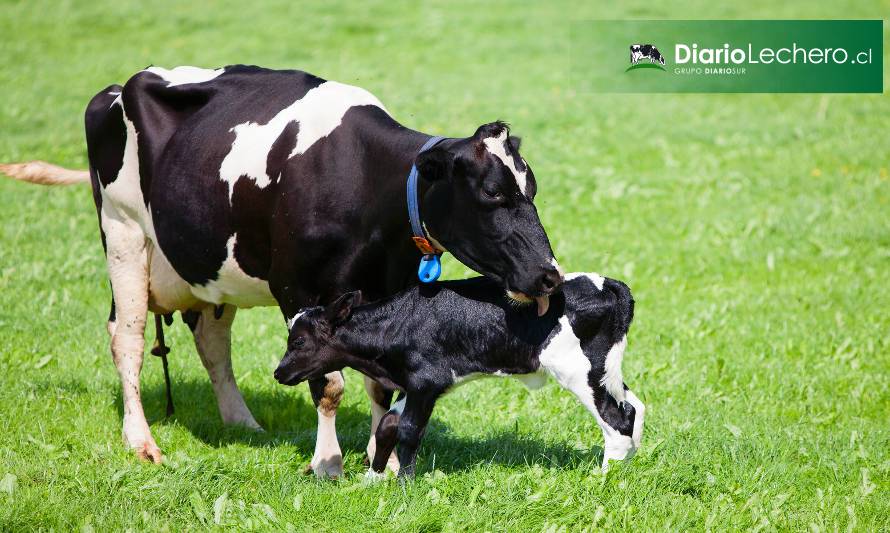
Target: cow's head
(479, 206)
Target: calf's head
(479, 206)
(312, 346)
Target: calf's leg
(213, 339)
(327, 461)
(127, 260)
(380, 399)
(412, 426)
(620, 420)
(386, 436)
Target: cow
(235, 187)
(648, 51)
(426, 340)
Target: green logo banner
(728, 56)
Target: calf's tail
(43, 173)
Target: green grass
(754, 230)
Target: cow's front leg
(127, 260)
(212, 330)
(327, 461)
(380, 399)
(412, 426)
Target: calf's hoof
(329, 467)
(372, 477)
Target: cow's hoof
(330, 467)
(149, 452)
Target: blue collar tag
(430, 266)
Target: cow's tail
(43, 173)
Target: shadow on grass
(288, 418)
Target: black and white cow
(427, 339)
(645, 51)
(242, 186)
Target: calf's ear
(435, 164)
(338, 312)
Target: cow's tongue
(543, 304)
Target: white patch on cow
(184, 75)
(565, 360)
(234, 286)
(597, 279)
(318, 113)
(124, 193)
(497, 146)
(293, 320)
(612, 379)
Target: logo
(639, 52)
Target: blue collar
(430, 267)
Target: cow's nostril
(550, 280)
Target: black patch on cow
(276, 162)
(106, 136)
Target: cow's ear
(435, 163)
(339, 311)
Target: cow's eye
(492, 193)
(298, 342)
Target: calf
(427, 339)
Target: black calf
(427, 339)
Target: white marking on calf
(293, 320)
(612, 379)
(565, 360)
(597, 279)
(497, 146)
(399, 407)
(185, 74)
(327, 461)
(318, 113)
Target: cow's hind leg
(620, 420)
(128, 270)
(213, 339)
(380, 399)
(327, 461)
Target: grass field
(754, 230)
